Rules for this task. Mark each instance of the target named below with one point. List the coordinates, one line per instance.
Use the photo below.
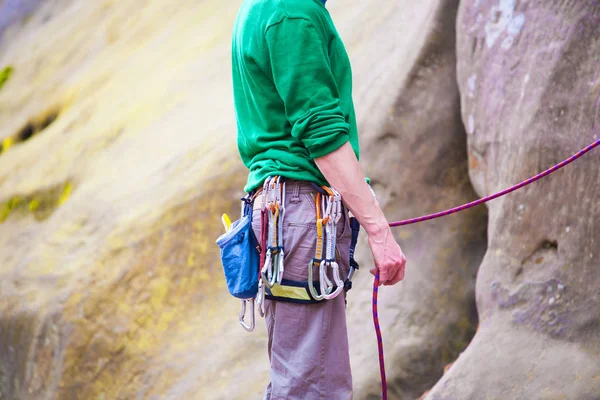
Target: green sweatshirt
(292, 86)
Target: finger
(382, 278)
(374, 272)
(397, 278)
(384, 274)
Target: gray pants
(308, 343)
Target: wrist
(377, 230)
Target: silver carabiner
(267, 271)
(311, 287)
(281, 259)
(324, 281)
(273, 270)
(263, 272)
(280, 270)
(338, 281)
(339, 208)
(260, 298)
(247, 327)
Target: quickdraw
(329, 210)
(335, 202)
(274, 208)
(242, 315)
(316, 262)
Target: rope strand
(379, 338)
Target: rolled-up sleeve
(301, 72)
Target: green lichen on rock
(40, 204)
(5, 74)
(6, 143)
(7, 207)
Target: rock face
(12, 11)
(416, 155)
(118, 156)
(529, 76)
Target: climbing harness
(448, 212)
(258, 265)
(272, 285)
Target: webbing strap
(315, 262)
(273, 225)
(319, 247)
(293, 292)
(355, 227)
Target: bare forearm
(343, 172)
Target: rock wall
(529, 76)
(118, 156)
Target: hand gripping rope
(452, 211)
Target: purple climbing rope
(448, 212)
(379, 338)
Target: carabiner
(260, 298)
(267, 272)
(273, 270)
(311, 288)
(338, 281)
(324, 281)
(280, 270)
(280, 235)
(247, 327)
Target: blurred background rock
(118, 157)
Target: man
(293, 99)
